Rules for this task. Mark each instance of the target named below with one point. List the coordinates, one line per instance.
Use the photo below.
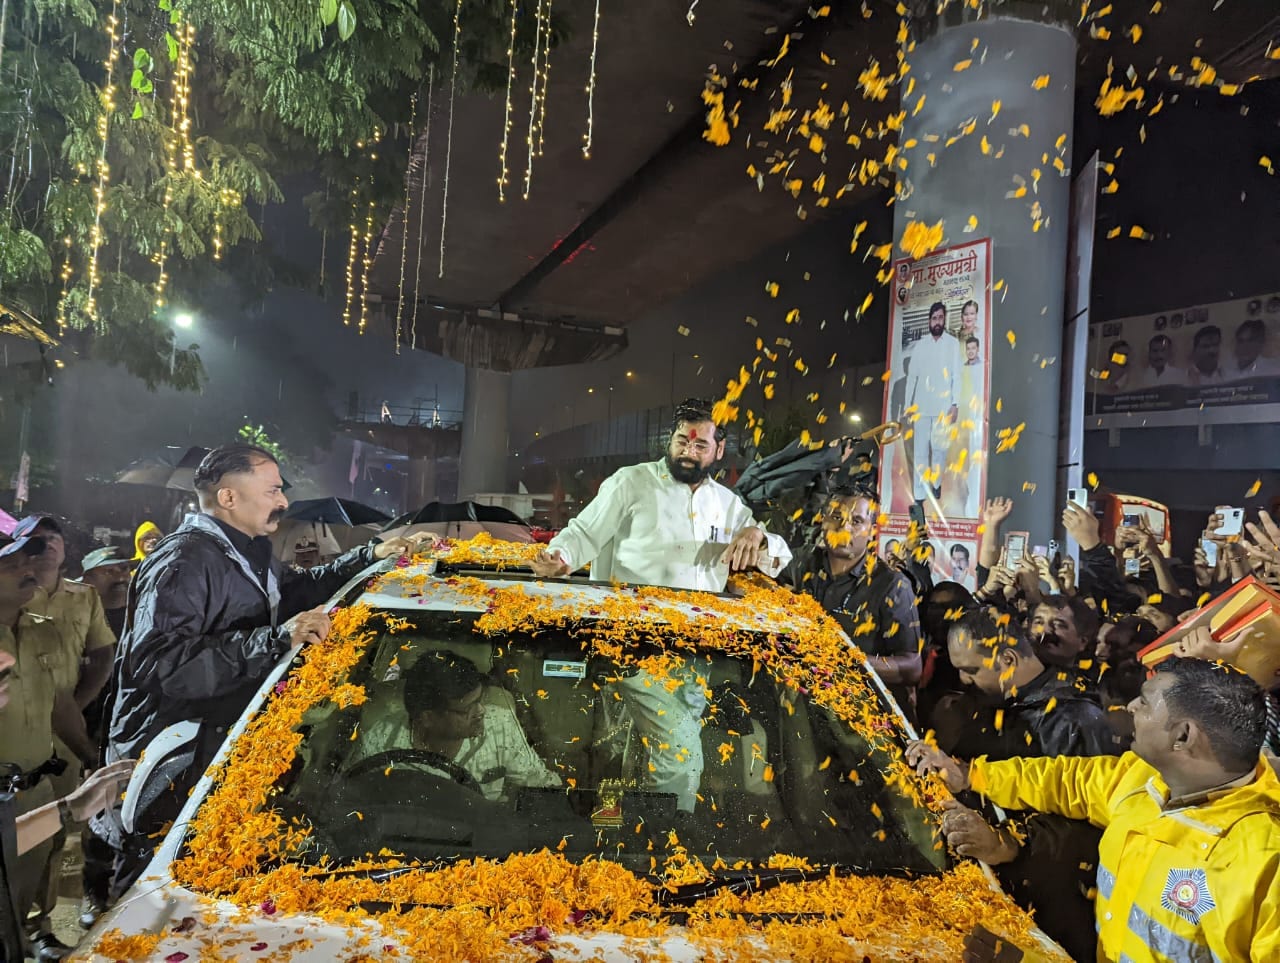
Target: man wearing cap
(73, 612)
(88, 643)
(27, 756)
(108, 570)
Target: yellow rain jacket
(1196, 881)
(145, 529)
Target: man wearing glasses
(668, 523)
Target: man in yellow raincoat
(1189, 863)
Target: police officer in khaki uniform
(73, 612)
(26, 737)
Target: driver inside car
(475, 741)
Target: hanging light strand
(107, 96)
(448, 150)
(404, 215)
(172, 142)
(591, 86)
(353, 254)
(546, 80)
(531, 140)
(366, 263)
(503, 179)
(422, 204)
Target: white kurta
(934, 388)
(645, 527)
(934, 384)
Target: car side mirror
(164, 759)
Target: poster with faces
(938, 389)
(1209, 360)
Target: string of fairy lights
(366, 263)
(107, 99)
(448, 150)
(404, 215)
(591, 85)
(532, 139)
(503, 180)
(539, 65)
(178, 149)
(422, 205)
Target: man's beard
(937, 329)
(686, 470)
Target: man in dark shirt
(874, 603)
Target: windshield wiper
(744, 882)
(380, 874)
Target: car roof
(428, 586)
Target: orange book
(1248, 607)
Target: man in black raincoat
(211, 612)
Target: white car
(330, 829)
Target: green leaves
(143, 64)
(328, 12)
(346, 20)
(172, 43)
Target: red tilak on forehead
(693, 434)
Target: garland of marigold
(495, 904)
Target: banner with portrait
(938, 388)
(1198, 365)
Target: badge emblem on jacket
(1186, 892)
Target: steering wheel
(418, 757)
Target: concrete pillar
(485, 409)
(422, 481)
(1013, 46)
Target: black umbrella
(461, 512)
(336, 511)
(169, 467)
(797, 467)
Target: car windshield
(468, 745)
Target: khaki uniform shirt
(26, 724)
(76, 614)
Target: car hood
(162, 921)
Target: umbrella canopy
(462, 530)
(793, 468)
(170, 467)
(309, 543)
(463, 512)
(336, 511)
(7, 522)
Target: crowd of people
(1136, 814)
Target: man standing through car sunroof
(668, 523)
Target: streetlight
(183, 320)
(855, 418)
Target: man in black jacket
(874, 603)
(210, 614)
(1030, 710)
